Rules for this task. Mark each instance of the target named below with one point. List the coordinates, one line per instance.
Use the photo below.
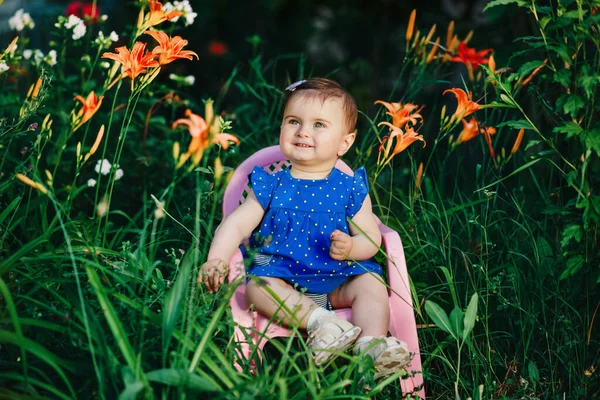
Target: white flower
(190, 79)
(20, 21)
(38, 56)
(113, 36)
(51, 58)
(3, 66)
(105, 64)
(27, 53)
(183, 80)
(91, 182)
(79, 31)
(118, 174)
(72, 21)
(103, 166)
(183, 6)
(103, 17)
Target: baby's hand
(213, 273)
(341, 245)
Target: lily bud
(492, 63)
(518, 140)
(36, 89)
(450, 35)
(218, 169)
(411, 25)
(209, 112)
(30, 182)
(12, 44)
(433, 51)
(176, 151)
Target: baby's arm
(236, 227)
(364, 242)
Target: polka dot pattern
(299, 217)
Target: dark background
(358, 42)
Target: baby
(308, 254)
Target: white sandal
(332, 335)
(395, 357)
(389, 354)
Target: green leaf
(180, 377)
(562, 51)
(574, 14)
(112, 317)
(592, 140)
(574, 264)
(529, 67)
(456, 321)
(9, 208)
(562, 77)
(497, 104)
(570, 128)
(588, 81)
(544, 21)
(470, 315)
(172, 306)
(516, 171)
(573, 105)
(439, 317)
(519, 124)
(543, 247)
(534, 374)
(496, 3)
(532, 143)
(571, 232)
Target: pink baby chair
(249, 324)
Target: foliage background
(525, 245)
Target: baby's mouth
(305, 146)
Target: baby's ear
(346, 143)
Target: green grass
(502, 253)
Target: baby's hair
(325, 89)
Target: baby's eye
(319, 125)
(293, 122)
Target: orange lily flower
(134, 63)
(403, 140)
(90, 105)
(402, 114)
(466, 106)
(470, 130)
(469, 55)
(170, 49)
(198, 129)
(224, 138)
(157, 14)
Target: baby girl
(314, 233)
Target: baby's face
(313, 132)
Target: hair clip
(294, 85)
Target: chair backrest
(271, 159)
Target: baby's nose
(302, 131)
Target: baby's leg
(368, 297)
(299, 305)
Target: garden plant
(112, 172)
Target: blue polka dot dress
(292, 241)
